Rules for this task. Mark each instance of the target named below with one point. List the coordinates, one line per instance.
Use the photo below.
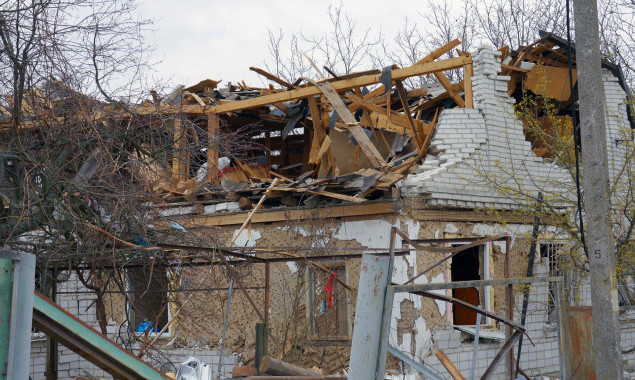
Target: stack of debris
(345, 138)
(542, 68)
(348, 138)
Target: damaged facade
(329, 168)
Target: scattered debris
(193, 369)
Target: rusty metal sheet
(579, 342)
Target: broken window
(328, 303)
(471, 264)
(148, 308)
(465, 267)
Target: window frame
(553, 269)
(311, 299)
(485, 271)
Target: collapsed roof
(346, 138)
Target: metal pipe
(487, 252)
(50, 289)
(6, 288)
(457, 240)
(267, 295)
(509, 301)
(267, 303)
(373, 281)
(17, 281)
(530, 273)
(387, 309)
(222, 345)
(412, 363)
(469, 306)
(88, 342)
(507, 348)
(476, 333)
(473, 284)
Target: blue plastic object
(145, 325)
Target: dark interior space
(465, 267)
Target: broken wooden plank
(439, 52)
(365, 119)
(437, 99)
(402, 168)
(277, 367)
(272, 77)
(467, 85)
(445, 82)
(358, 74)
(195, 97)
(317, 69)
(213, 133)
(180, 161)
(406, 108)
(447, 363)
(326, 145)
(245, 168)
(319, 135)
(274, 174)
(417, 92)
(256, 208)
(305, 92)
(388, 179)
(356, 130)
(546, 61)
(329, 194)
(396, 122)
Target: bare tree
(347, 47)
(73, 155)
(507, 22)
(344, 48)
(287, 62)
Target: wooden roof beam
(305, 92)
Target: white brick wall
(476, 150)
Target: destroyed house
(299, 179)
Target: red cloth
(329, 289)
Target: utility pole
(597, 201)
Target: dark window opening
(465, 267)
(148, 302)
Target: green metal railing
(89, 343)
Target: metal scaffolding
(370, 360)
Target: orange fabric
(462, 315)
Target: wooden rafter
(353, 126)
(305, 92)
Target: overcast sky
(198, 39)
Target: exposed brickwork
(476, 150)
